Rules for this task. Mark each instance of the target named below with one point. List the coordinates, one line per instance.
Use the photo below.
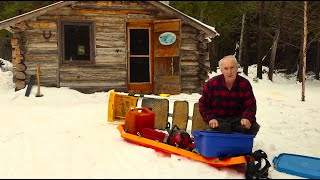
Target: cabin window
(77, 42)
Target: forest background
(266, 33)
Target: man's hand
(245, 123)
(213, 123)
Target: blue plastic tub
(215, 144)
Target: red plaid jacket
(217, 101)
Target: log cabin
(128, 46)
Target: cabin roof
(210, 31)
(33, 14)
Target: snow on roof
(199, 22)
(209, 27)
(6, 23)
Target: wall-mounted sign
(167, 38)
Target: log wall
(193, 53)
(110, 69)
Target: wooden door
(140, 53)
(167, 38)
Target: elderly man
(227, 103)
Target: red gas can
(139, 118)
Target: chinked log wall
(194, 58)
(110, 70)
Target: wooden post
(38, 81)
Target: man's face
(229, 70)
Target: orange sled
(178, 151)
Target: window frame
(92, 41)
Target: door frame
(140, 87)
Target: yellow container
(118, 106)
(164, 95)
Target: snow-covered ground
(65, 134)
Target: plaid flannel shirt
(218, 101)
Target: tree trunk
(201, 15)
(214, 49)
(317, 68)
(260, 40)
(305, 33)
(241, 37)
(275, 40)
(212, 55)
(245, 62)
(300, 59)
(290, 66)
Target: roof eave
(5, 24)
(172, 11)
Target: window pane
(139, 41)
(76, 42)
(139, 69)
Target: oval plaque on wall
(167, 38)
